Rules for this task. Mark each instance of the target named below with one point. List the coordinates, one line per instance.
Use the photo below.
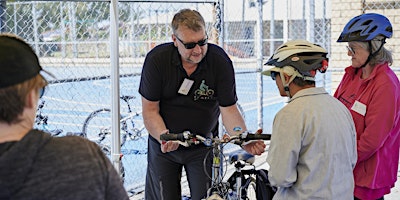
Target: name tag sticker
(359, 108)
(185, 87)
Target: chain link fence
(72, 39)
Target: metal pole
(3, 6)
(272, 29)
(72, 26)
(303, 19)
(286, 23)
(325, 42)
(115, 126)
(243, 10)
(63, 30)
(133, 31)
(220, 23)
(260, 63)
(15, 19)
(35, 29)
(310, 21)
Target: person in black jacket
(33, 164)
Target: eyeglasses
(41, 92)
(351, 49)
(191, 45)
(273, 75)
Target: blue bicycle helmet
(366, 27)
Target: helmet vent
(373, 29)
(355, 22)
(302, 45)
(367, 22)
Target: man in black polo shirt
(185, 86)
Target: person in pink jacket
(371, 91)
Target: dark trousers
(164, 170)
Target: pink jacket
(378, 130)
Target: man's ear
(31, 99)
(173, 37)
(287, 78)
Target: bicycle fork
(216, 173)
(239, 183)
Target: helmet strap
(286, 85)
(371, 55)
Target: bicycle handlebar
(252, 136)
(171, 137)
(186, 138)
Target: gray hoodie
(43, 167)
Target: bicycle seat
(74, 133)
(56, 132)
(241, 155)
(126, 97)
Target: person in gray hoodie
(33, 164)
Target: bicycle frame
(217, 185)
(128, 126)
(219, 189)
(42, 120)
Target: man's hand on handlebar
(255, 147)
(168, 146)
(251, 142)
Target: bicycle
(41, 120)
(243, 185)
(97, 126)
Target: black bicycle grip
(172, 136)
(258, 137)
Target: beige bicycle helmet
(304, 56)
(297, 58)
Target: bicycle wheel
(97, 127)
(250, 190)
(107, 151)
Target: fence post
(115, 116)
(3, 27)
(259, 51)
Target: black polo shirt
(213, 86)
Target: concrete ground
(261, 164)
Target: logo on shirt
(203, 93)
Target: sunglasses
(273, 75)
(351, 50)
(41, 92)
(191, 45)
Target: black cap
(18, 61)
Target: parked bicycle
(41, 121)
(97, 126)
(244, 184)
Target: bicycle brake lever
(185, 144)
